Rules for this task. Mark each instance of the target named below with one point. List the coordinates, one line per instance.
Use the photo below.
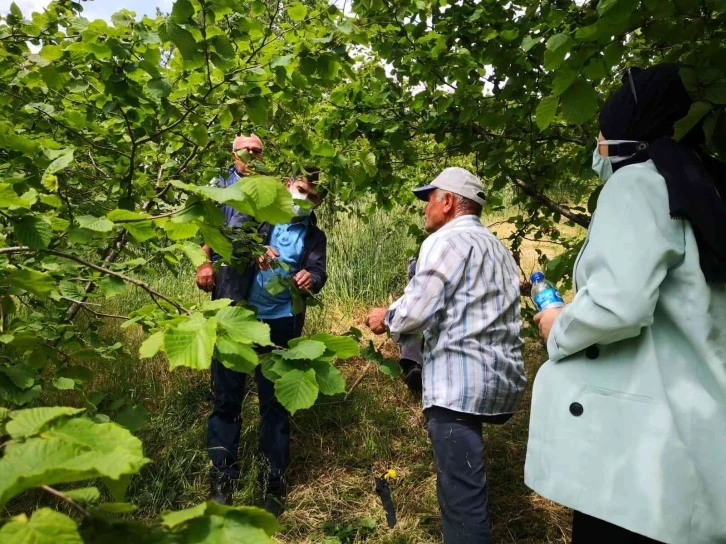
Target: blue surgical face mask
(601, 165)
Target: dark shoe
(221, 487)
(274, 504)
(412, 378)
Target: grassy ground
(341, 443)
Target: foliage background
(111, 130)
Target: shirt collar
(464, 219)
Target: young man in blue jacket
(302, 246)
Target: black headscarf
(645, 110)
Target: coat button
(576, 409)
(593, 352)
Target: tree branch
(143, 285)
(580, 219)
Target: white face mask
(296, 208)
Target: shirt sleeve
(440, 269)
(632, 244)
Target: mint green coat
(628, 420)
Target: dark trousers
(589, 530)
(461, 482)
(225, 422)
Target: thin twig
(99, 314)
(358, 380)
(65, 498)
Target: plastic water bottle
(544, 294)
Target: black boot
(274, 503)
(221, 487)
(412, 376)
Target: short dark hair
(311, 173)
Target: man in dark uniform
(301, 245)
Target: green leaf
(344, 347)
(193, 252)
(257, 109)
(21, 375)
(261, 190)
(183, 39)
(579, 102)
(112, 286)
(223, 47)
(325, 149)
(132, 417)
(297, 390)
(697, 112)
(191, 343)
(546, 112)
(330, 380)
(96, 224)
(181, 11)
(84, 495)
(8, 197)
(604, 6)
(216, 240)
(116, 508)
(34, 232)
(241, 326)
(69, 450)
(180, 231)
(199, 134)
(529, 42)
(282, 60)
(159, 87)
(236, 356)
(562, 81)
(152, 345)
(73, 291)
(214, 523)
(29, 422)
(45, 526)
(38, 283)
(61, 162)
(558, 41)
(15, 10)
(304, 349)
(275, 285)
(296, 11)
(64, 384)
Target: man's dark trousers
(461, 482)
(225, 422)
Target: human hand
(376, 320)
(303, 280)
(205, 277)
(270, 255)
(545, 320)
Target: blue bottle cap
(537, 276)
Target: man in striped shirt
(464, 297)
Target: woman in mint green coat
(628, 420)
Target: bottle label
(548, 298)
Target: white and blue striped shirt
(465, 299)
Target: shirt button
(576, 409)
(593, 352)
